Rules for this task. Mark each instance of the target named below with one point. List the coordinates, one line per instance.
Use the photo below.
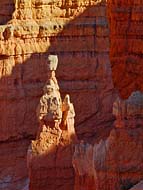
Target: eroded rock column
(50, 155)
(78, 32)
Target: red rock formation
(13, 161)
(78, 33)
(114, 162)
(50, 155)
(81, 40)
(126, 32)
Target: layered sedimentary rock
(78, 33)
(50, 155)
(114, 162)
(126, 32)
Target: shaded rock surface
(81, 41)
(117, 161)
(126, 32)
(6, 9)
(13, 161)
(78, 33)
(139, 186)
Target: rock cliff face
(13, 161)
(126, 32)
(117, 161)
(78, 32)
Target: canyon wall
(78, 33)
(114, 162)
(126, 48)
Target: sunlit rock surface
(78, 33)
(50, 155)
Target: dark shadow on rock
(84, 70)
(20, 93)
(6, 9)
(13, 158)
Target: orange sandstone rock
(50, 155)
(80, 38)
(78, 32)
